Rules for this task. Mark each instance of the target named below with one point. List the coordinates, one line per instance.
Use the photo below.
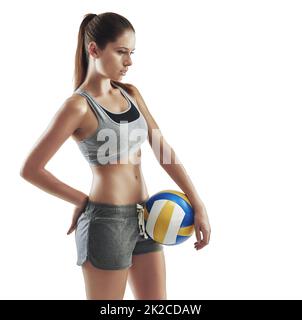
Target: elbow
(27, 171)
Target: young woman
(109, 121)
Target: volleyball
(169, 217)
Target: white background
(223, 81)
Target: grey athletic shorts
(108, 235)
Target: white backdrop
(223, 81)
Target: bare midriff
(120, 183)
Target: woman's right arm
(66, 120)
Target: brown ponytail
(81, 62)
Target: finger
(200, 245)
(70, 229)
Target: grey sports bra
(117, 136)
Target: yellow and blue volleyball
(169, 217)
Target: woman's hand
(78, 210)
(201, 223)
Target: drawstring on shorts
(141, 223)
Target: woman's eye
(125, 52)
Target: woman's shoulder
(76, 102)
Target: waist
(118, 185)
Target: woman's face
(115, 58)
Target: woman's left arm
(169, 161)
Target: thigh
(147, 276)
(109, 244)
(104, 284)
